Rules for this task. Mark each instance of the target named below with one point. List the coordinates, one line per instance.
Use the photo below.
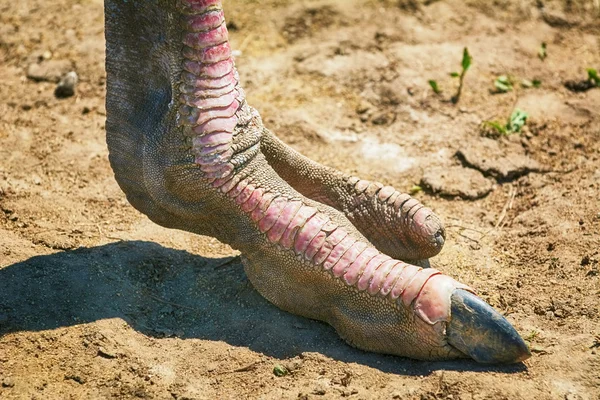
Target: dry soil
(98, 302)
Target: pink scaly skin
(203, 171)
(394, 222)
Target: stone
(456, 181)
(502, 160)
(8, 382)
(50, 70)
(66, 86)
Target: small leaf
(503, 84)
(542, 53)
(502, 87)
(454, 74)
(532, 336)
(415, 189)
(501, 129)
(467, 59)
(280, 370)
(517, 120)
(434, 86)
(593, 76)
(526, 83)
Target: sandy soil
(98, 302)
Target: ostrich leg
(185, 148)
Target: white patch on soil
(387, 154)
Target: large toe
(480, 332)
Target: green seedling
(415, 189)
(434, 86)
(497, 126)
(503, 83)
(535, 83)
(280, 370)
(542, 52)
(532, 336)
(517, 120)
(465, 64)
(515, 123)
(593, 76)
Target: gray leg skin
(188, 151)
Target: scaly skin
(394, 222)
(186, 149)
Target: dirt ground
(98, 302)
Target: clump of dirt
(464, 183)
(580, 85)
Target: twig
(114, 238)
(160, 300)
(56, 230)
(464, 227)
(247, 368)
(468, 237)
(507, 206)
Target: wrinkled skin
(191, 154)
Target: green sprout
(434, 86)
(542, 52)
(532, 336)
(280, 370)
(515, 123)
(535, 83)
(465, 64)
(497, 126)
(517, 120)
(593, 76)
(415, 189)
(503, 83)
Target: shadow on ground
(163, 292)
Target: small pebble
(66, 86)
(8, 382)
(320, 389)
(293, 365)
(51, 70)
(102, 352)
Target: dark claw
(440, 237)
(480, 332)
